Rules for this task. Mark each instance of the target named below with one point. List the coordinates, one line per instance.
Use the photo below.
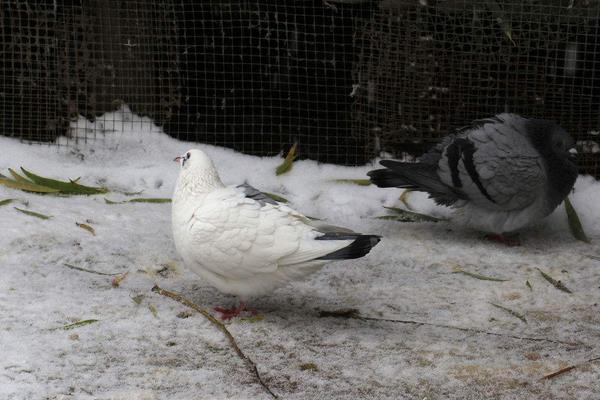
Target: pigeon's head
(553, 141)
(198, 173)
(196, 160)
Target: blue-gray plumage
(503, 173)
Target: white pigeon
(244, 243)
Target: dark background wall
(345, 79)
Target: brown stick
(222, 328)
(569, 368)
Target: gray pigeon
(502, 173)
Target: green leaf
(79, 323)
(27, 187)
(86, 227)
(458, 270)
(287, 162)
(557, 284)
(140, 200)
(408, 216)
(574, 222)
(71, 187)
(511, 312)
(33, 213)
(6, 201)
(277, 197)
(360, 182)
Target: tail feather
(361, 245)
(419, 176)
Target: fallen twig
(569, 368)
(355, 315)
(222, 328)
(90, 270)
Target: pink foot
(228, 313)
(508, 240)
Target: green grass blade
(557, 284)
(79, 323)
(288, 162)
(149, 200)
(6, 201)
(458, 270)
(360, 182)
(71, 187)
(574, 222)
(277, 198)
(411, 216)
(27, 187)
(511, 312)
(529, 285)
(33, 213)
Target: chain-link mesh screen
(343, 78)
(429, 67)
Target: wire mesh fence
(345, 79)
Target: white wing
(236, 237)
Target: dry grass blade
(79, 323)
(26, 187)
(116, 281)
(557, 284)
(404, 197)
(33, 213)
(222, 328)
(359, 182)
(18, 177)
(458, 270)
(89, 270)
(574, 222)
(511, 312)
(288, 162)
(567, 369)
(86, 227)
(70, 187)
(6, 201)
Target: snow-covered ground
(146, 346)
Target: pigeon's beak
(573, 153)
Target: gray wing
(494, 164)
(255, 194)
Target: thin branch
(354, 314)
(89, 270)
(569, 368)
(222, 328)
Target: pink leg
(229, 313)
(508, 240)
